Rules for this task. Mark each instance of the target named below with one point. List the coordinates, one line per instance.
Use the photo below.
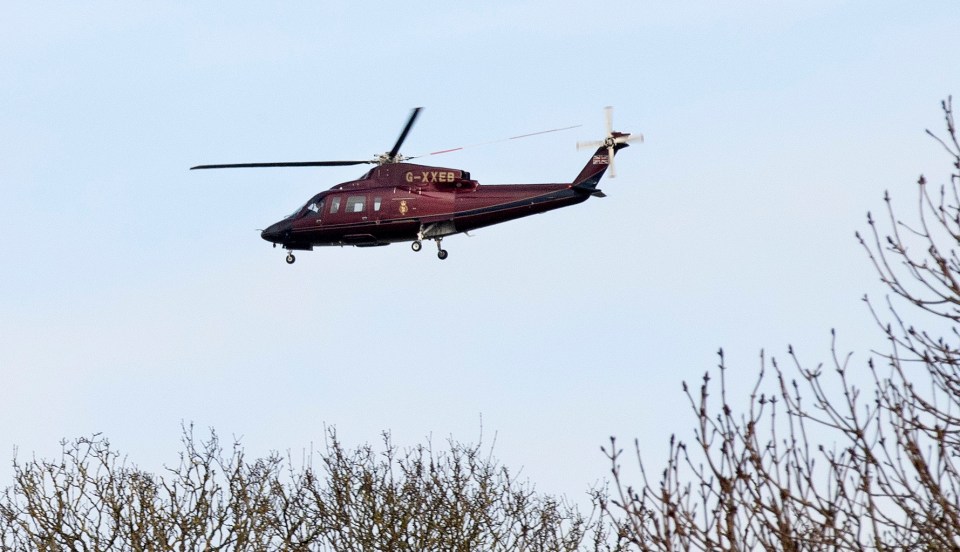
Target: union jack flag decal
(601, 160)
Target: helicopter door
(356, 208)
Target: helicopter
(397, 201)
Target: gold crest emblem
(403, 207)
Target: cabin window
(355, 204)
(334, 205)
(376, 203)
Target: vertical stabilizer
(596, 166)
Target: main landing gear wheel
(290, 258)
(417, 245)
(441, 252)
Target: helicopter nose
(273, 233)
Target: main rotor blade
(494, 141)
(284, 164)
(403, 135)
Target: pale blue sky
(136, 294)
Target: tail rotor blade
(608, 117)
(629, 139)
(613, 171)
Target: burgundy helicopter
(398, 201)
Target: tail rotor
(612, 139)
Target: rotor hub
(386, 159)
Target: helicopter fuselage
(403, 202)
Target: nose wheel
(290, 258)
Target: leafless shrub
(215, 499)
(769, 477)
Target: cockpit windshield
(314, 206)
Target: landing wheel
(290, 258)
(417, 245)
(441, 252)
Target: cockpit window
(334, 205)
(313, 206)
